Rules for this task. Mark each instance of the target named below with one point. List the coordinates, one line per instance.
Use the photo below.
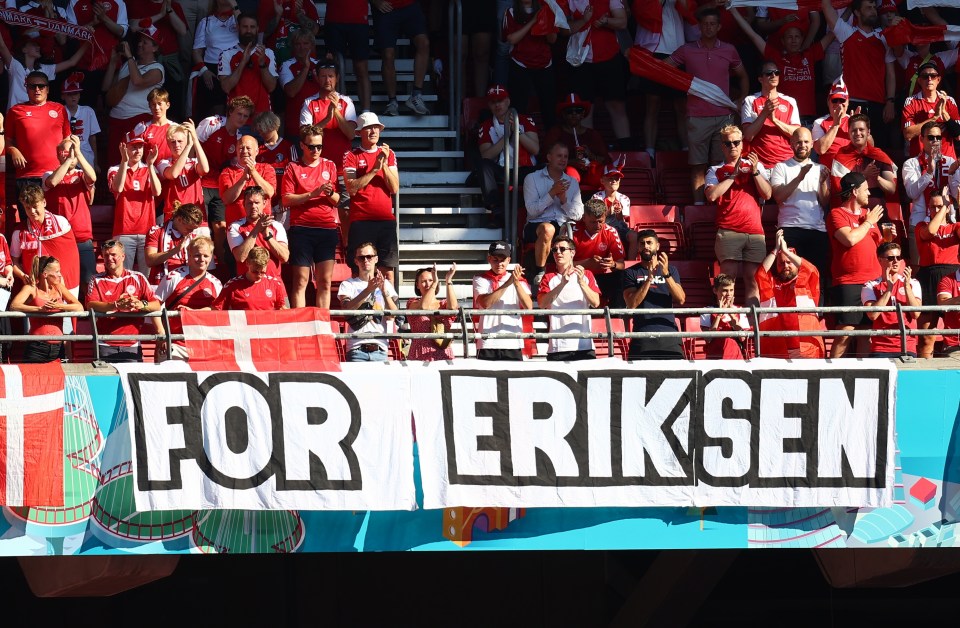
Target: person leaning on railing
(426, 286)
(47, 295)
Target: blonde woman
(47, 295)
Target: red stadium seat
(670, 234)
(695, 279)
(673, 177)
(633, 159)
(602, 346)
(653, 213)
(693, 348)
(639, 184)
(700, 225)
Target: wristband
(268, 236)
(667, 275)
(891, 99)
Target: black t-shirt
(658, 296)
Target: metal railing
(454, 70)
(511, 175)
(467, 334)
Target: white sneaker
(392, 109)
(415, 104)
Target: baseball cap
(497, 92)
(839, 90)
(887, 6)
(133, 137)
(851, 181)
(930, 65)
(613, 170)
(73, 83)
(500, 248)
(368, 118)
(150, 31)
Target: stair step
(441, 211)
(416, 122)
(437, 191)
(441, 236)
(376, 65)
(429, 154)
(455, 177)
(411, 133)
(468, 268)
(376, 79)
(385, 98)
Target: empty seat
(695, 279)
(602, 345)
(673, 177)
(700, 227)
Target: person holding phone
(368, 290)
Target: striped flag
(643, 63)
(300, 339)
(31, 425)
(906, 33)
(550, 19)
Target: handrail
(514, 183)
(465, 335)
(507, 167)
(454, 72)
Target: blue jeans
(133, 248)
(360, 355)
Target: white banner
(610, 433)
(289, 441)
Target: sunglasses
(313, 147)
(577, 110)
(561, 249)
(365, 258)
(893, 258)
(929, 76)
(732, 143)
(37, 86)
(770, 73)
(934, 138)
(837, 101)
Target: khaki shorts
(741, 247)
(704, 138)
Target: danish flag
(31, 428)
(643, 63)
(300, 339)
(906, 33)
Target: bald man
(801, 190)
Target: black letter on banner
(726, 420)
(316, 408)
(656, 416)
(499, 443)
(203, 460)
(188, 417)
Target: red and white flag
(31, 428)
(906, 33)
(643, 63)
(550, 19)
(300, 339)
(796, 5)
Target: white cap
(368, 118)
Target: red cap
(497, 92)
(72, 84)
(573, 100)
(887, 6)
(133, 138)
(613, 170)
(839, 90)
(148, 30)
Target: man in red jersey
(135, 186)
(255, 289)
(331, 111)
(309, 189)
(930, 104)
(278, 152)
(599, 250)
(735, 186)
(248, 68)
(181, 172)
(258, 229)
(166, 245)
(870, 161)
(187, 287)
(218, 135)
(244, 172)
(33, 130)
(44, 233)
(769, 118)
(832, 131)
(948, 293)
(894, 285)
(69, 192)
(372, 180)
(937, 244)
(787, 280)
(298, 77)
(865, 52)
(493, 140)
(926, 173)
(854, 237)
(118, 290)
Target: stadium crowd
(264, 171)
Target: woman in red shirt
(47, 295)
(309, 189)
(135, 185)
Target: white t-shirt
(496, 324)
(802, 208)
(570, 297)
(84, 124)
(350, 289)
(134, 101)
(214, 36)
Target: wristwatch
(667, 275)
(268, 236)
